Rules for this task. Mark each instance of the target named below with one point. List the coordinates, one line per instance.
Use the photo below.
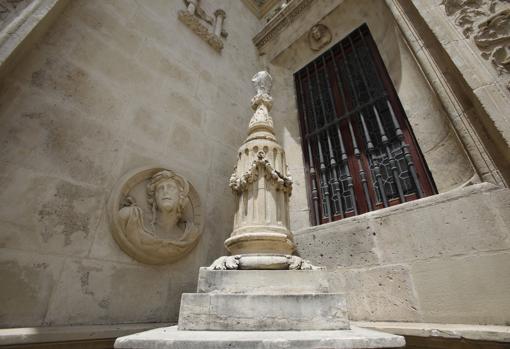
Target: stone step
(170, 337)
(263, 312)
(263, 281)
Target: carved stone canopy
(155, 215)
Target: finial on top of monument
(262, 102)
(262, 82)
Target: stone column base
(262, 262)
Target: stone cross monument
(262, 296)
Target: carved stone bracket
(488, 23)
(195, 18)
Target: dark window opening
(359, 150)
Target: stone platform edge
(455, 331)
(32, 335)
(170, 337)
(27, 335)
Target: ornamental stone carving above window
(487, 22)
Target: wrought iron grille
(359, 149)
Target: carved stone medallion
(319, 36)
(155, 215)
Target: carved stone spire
(261, 182)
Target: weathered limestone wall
(468, 43)
(112, 86)
(442, 259)
(443, 153)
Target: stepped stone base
(251, 309)
(263, 282)
(263, 312)
(171, 338)
(263, 300)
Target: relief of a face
(167, 195)
(316, 33)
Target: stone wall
(112, 86)
(442, 259)
(462, 47)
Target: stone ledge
(451, 195)
(28, 335)
(473, 332)
(169, 337)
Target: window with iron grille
(359, 150)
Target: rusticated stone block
(257, 312)
(259, 282)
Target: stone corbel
(199, 22)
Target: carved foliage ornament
(488, 23)
(155, 215)
(280, 181)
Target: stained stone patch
(27, 282)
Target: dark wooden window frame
(359, 150)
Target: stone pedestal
(262, 309)
(229, 302)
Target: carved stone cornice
(279, 22)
